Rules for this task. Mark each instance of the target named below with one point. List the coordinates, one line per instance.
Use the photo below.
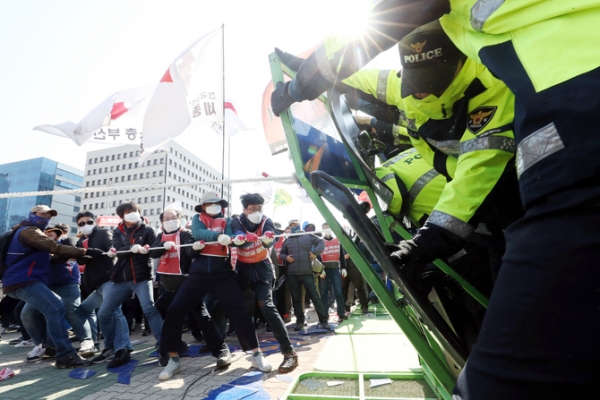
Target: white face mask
(213, 209)
(132, 217)
(171, 226)
(86, 229)
(255, 217)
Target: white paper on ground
(334, 383)
(285, 378)
(379, 382)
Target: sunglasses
(84, 223)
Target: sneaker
(364, 310)
(122, 357)
(299, 326)
(16, 341)
(87, 348)
(290, 362)
(342, 318)
(36, 354)
(25, 343)
(224, 358)
(260, 363)
(73, 361)
(106, 355)
(50, 352)
(325, 325)
(287, 318)
(171, 369)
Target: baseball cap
(43, 209)
(211, 197)
(294, 221)
(429, 60)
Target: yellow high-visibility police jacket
(417, 186)
(546, 35)
(466, 134)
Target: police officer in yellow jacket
(539, 335)
(416, 185)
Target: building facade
(39, 174)
(120, 168)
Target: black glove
(437, 242)
(281, 99)
(410, 261)
(290, 60)
(94, 253)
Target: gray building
(34, 175)
(120, 167)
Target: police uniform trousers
(539, 338)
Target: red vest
(169, 262)
(85, 244)
(215, 225)
(278, 245)
(332, 251)
(255, 252)
(234, 257)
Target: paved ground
(197, 378)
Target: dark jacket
(187, 255)
(299, 247)
(30, 240)
(129, 266)
(97, 270)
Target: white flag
(115, 121)
(233, 123)
(190, 91)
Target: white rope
(280, 179)
(285, 235)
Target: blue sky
(62, 58)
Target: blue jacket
(36, 266)
(64, 270)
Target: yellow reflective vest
(472, 148)
(555, 40)
(419, 189)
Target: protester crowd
(243, 272)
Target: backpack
(5, 240)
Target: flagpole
(223, 111)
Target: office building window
(95, 160)
(90, 161)
(112, 157)
(160, 173)
(145, 199)
(154, 174)
(152, 211)
(124, 155)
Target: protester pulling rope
(237, 240)
(280, 179)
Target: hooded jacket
(129, 266)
